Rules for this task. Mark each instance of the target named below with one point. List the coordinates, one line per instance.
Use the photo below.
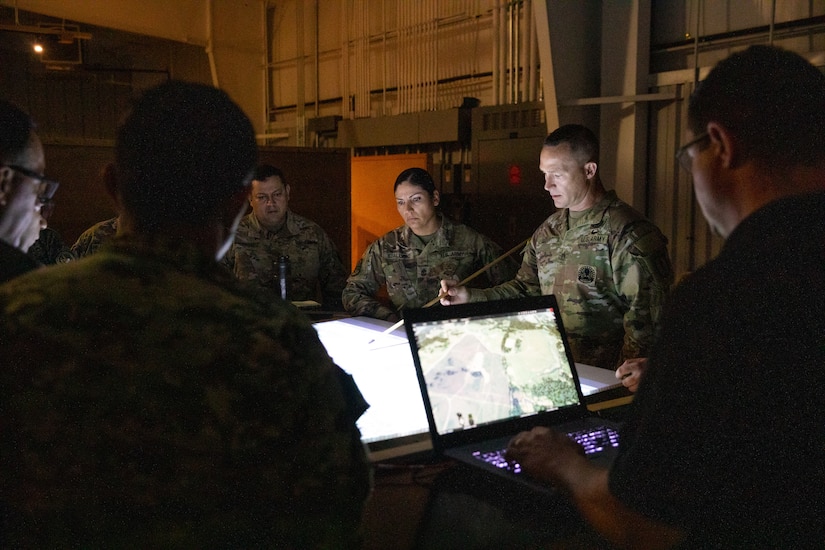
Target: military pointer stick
(460, 283)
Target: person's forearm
(588, 488)
(510, 289)
(358, 298)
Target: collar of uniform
(289, 223)
(182, 255)
(595, 214)
(442, 236)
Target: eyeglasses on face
(48, 187)
(681, 153)
(275, 197)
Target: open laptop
(394, 428)
(489, 370)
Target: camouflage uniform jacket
(610, 274)
(412, 271)
(313, 258)
(90, 240)
(149, 400)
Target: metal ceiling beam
(55, 30)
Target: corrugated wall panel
(673, 206)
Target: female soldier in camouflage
(411, 260)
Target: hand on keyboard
(593, 441)
(552, 456)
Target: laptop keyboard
(592, 440)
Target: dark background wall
(81, 200)
(319, 178)
(320, 188)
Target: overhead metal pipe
(402, 57)
(384, 59)
(502, 14)
(532, 58)
(434, 65)
(496, 56)
(346, 110)
(364, 88)
(267, 99)
(508, 74)
(696, 45)
(317, 63)
(300, 99)
(516, 50)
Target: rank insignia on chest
(586, 274)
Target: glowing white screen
(587, 389)
(595, 379)
(384, 372)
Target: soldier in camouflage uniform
(148, 399)
(410, 260)
(606, 263)
(270, 231)
(91, 239)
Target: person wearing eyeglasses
(272, 231)
(25, 193)
(49, 248)
(724, 446)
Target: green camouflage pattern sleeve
(610, 272)
(316, 271)
(359, 296)
(90, 240)
(146, 396)
(411, 270)
(525, 283)
(643, 275)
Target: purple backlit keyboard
(592, 440)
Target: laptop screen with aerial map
(493, 363)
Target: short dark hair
(182, 151)
(582, 141)
(418, 177)
(771, 99)
(16, 127)
(266, 171)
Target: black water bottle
(283, 275)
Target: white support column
(624, 72)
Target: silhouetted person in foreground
(147, 399)
(724, 448)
